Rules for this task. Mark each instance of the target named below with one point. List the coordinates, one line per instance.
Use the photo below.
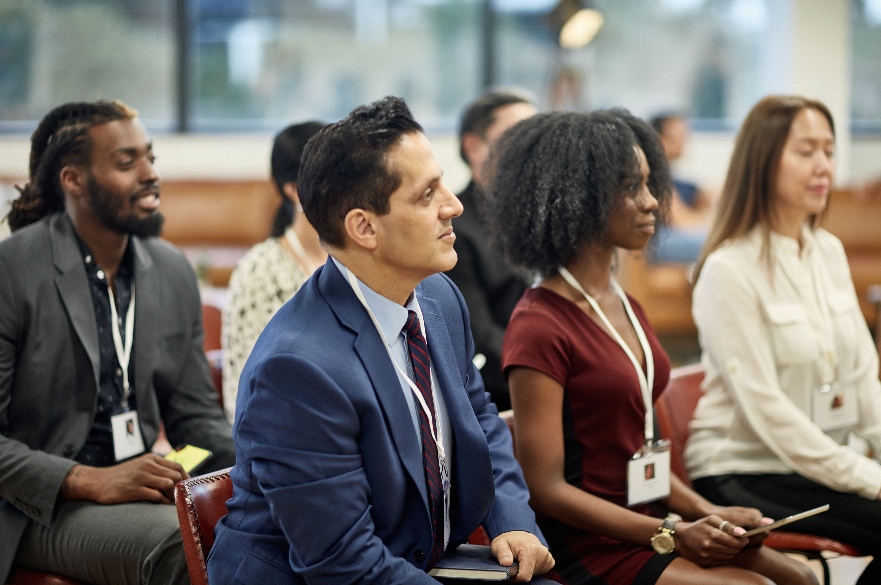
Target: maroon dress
(603, 424)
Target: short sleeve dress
(603, 425)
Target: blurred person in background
(691, 207)
(791, 369)
(490, 285)
(273, 270)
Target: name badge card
(834, 406)
(648, 474)
(127, 441)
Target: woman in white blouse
(273, 270)
(791, 369)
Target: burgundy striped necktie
(420, 361)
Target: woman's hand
(705, 544)
(745, 518)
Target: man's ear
(475, 149)
(359, 228)
(73, 180)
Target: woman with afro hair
(584, 365)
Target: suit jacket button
(68, 450)
(419, 556)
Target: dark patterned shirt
(98, 450)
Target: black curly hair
(62, 138)
(557, 176)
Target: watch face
(663, 543)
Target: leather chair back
(201, 502)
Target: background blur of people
(491, 287)
(273, 270)
(690, 209)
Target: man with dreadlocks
(100, 341)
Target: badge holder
(834, 406)
(648, 474)
(127, 440)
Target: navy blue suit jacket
(329, 485)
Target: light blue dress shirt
(392, 317)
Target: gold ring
(723, 525)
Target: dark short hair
(345, 166)
(556, 177)
(62, 138)
(481, 113)
(659, 120)
(285, 166)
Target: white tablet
(785, 521)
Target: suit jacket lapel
(73, 287)
(470, 446)
(377, 363)
(148, 306)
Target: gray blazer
(49, 366)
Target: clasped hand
(715, 539)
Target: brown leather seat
(23, 576)
(673, 411)
(201, 502)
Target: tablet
(785, 521)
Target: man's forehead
(411, 153)
(119, 135)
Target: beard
(109, 208)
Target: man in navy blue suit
(362, 455)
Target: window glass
(866, 80)
(263, 63)
(712, 59)
(53, 52)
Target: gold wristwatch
(663, 542)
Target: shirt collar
(391, 316)
(786, 246)
(126, 266)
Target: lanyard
(299, 250)
(645, 382)
(123, 351)
(435, 429)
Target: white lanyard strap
(646, 381)
(435, 429)
(299, 250)
(123, 351)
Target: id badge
(127, 441)
(834, 406)
(648, 474)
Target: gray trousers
(124, 544)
